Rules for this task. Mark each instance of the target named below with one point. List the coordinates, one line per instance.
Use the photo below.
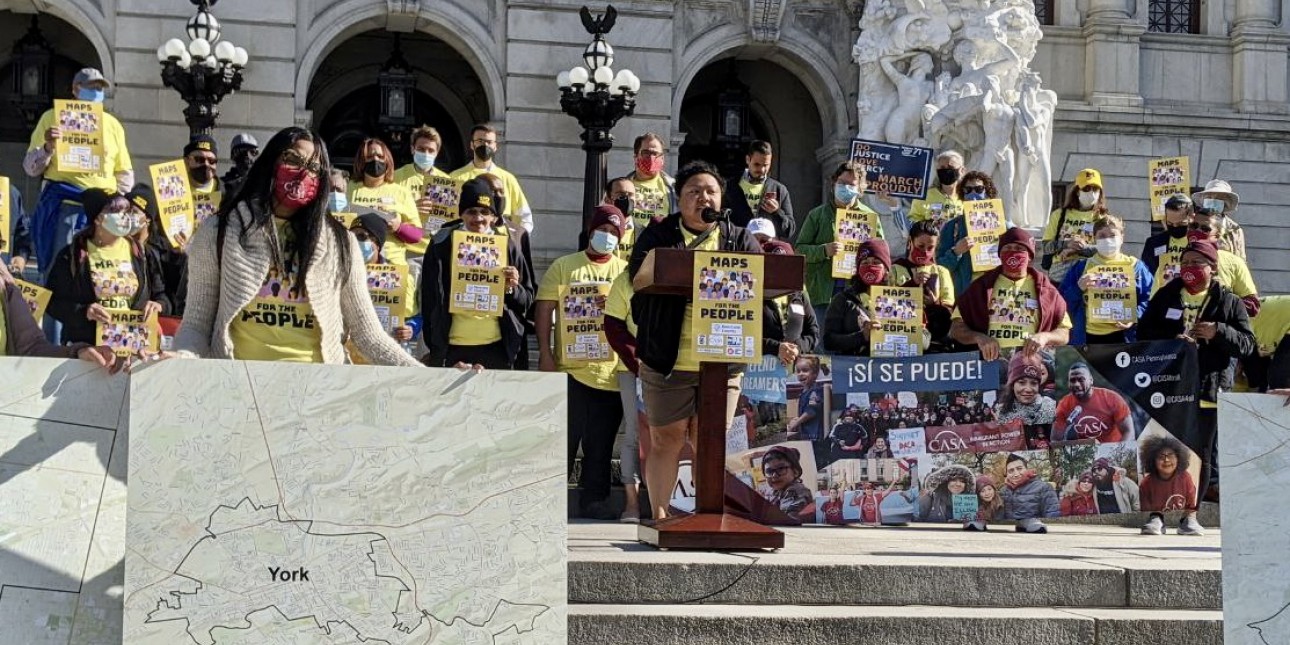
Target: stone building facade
(1136, 79)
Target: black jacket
(1150, 257)
(801, 328)
(73, 290)
(741, 214)
(1235, 338)
(842, 333)
(173, 266)
(659, 318)
(436, 288)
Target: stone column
(1111, 58)
(1259, 58)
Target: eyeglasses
(1203, 228)
(776, 472)
(293, 159)
(204, 160)
(483, 142)
(651, 154)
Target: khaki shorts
(673, 398)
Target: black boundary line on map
(177, 595)
(31, 588)
(1260, 622)
(496, 608)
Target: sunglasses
(293, 158)
(974, 188)
(1203, 228)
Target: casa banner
(80, 146)
(174, 201)
(6, 210)
(443, 194)
(900, 171)
(1168, 176)
(582, 322)
(985, 224)
(949, 438)
(851, 228)
(478, 284)
(36, 297)
(130, 333)
(897, 313)
(727, 301)
(387, 286)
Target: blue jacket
(1074, 297)
(960, 267)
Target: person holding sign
(788, 325)
(274, 277)
(919, 269)
(1013, 306)
(954, 248)
(370, 229)
(21, 336)
(163, 259)
(942, 203)
(465, 269)
(16, 252)
(201, 157)
(1199, 309)
(848, 323)
(1069, 233)
(817, 240)
(1107, 293)
(378, 191)
(103, 270)
(483, 147)
(655, 194)
(669, 370)
(755, 194)
(426, 143)
(574, 293)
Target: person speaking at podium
(669, 370)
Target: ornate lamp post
(204, 71)
(33, 74)
(598, 98)
(397, 83)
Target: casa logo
(947, 441)
(1089, 428)
(1174, 503)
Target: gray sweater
(217, 293)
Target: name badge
(1174, 314)
(1032, 303)
(797, 308)
(1161, 250)
(127, 266)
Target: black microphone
(711, 215)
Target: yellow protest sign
(1166, 177)
(985, 223)
(478, 286)
(727, 296)
(346, 219)
(1110, 296)
(80, 148)
(36, 297)
(387, 285)
(898, 312)
(129, 333)
(6, 209)
(174, 201)
(851, 228)
(1014, 312)
(206, 204)
(443, 193)
(581, 319)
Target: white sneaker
(1189, 526)
(1154, 526)
(974, 525)
(1031, 525)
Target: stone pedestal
(1259, 58)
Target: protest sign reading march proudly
(985, 223)
(851, 228)
(174, 200)
(129, 333)
(444, 194)
(1167, 176)
(80, 148)
(478, 283)
(898, 312)
(900, 171)
(387, 286)
(582, 322)
(727, 296)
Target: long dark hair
(308, 224)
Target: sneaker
(598, 510)
(629, 517)
(1031, 525)
(1189, 526)
(974, 525)
(1154, 526)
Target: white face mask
(1109, 247)
(1089, 199)
(117, 224)
(604, 242)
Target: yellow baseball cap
(1088, 177)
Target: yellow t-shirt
(412, 179)
(944, 281)
(1270, 326)
(278, 324)
(116, 156)
(651, 200)
(1234, 273)
(619, 305)
(625, 244)
(1167, 256)
(112, 274)
(1128, 264)
(1078, 226)
(1191, 303)
(1014, 312)
(752, 193)
(938, 207)
(573, 269)
(395, 200)
(516, 203)
(473, 330)
(687, 360)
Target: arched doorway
(345, 98)
(731, 102)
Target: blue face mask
(974, 196)
(604, 242)
(845, 193)
(338, 202)
(368, 249)
(423, 160)
(91, 94)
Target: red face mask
(293, 187)
(649, 165)
(922, 257)
(1192, 277)
(1014, 262)
(873, 274)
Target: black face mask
(1177, 232)
(201, 174)
(484, 153)
(624, 204)
(947, 176)
(375, 168)
(245, 158)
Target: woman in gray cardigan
(274, 277)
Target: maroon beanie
(607, 214)
(777, 247)
(1205, 248)
(983, 481)
(1022, 366)
(1086, 476)
(874, 249)
(1018, 235)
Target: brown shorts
(675, 397)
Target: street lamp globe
(225, 51)
(240, 57)
(562, 80)
(199, 48)
(598, 54)
(203, 26)
(604, 76)
(578, 76)
(175, 49)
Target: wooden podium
(670, 272)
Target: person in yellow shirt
(58, 214)
(1107, 279)
(942, 203)
(483, 148)
(655, 194)
(201, 156)
(1269, 369)
(919, 269)
(1068, 235)
(621, 193)
(376, 189)
(595, 409)
(426, 143)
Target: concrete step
(884, 625)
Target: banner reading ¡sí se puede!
(80, 146)
(727, 301)
(478, 285)
(174, 200)
(985, 224)
(900, 171)
(851, 228)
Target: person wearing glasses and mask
(273, 276)
(1219, 199)
(1161, 251)
(655, 194)
(1232, 271)
(953, 248)
(1068, 237)
(483, 148)
(200, 158)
